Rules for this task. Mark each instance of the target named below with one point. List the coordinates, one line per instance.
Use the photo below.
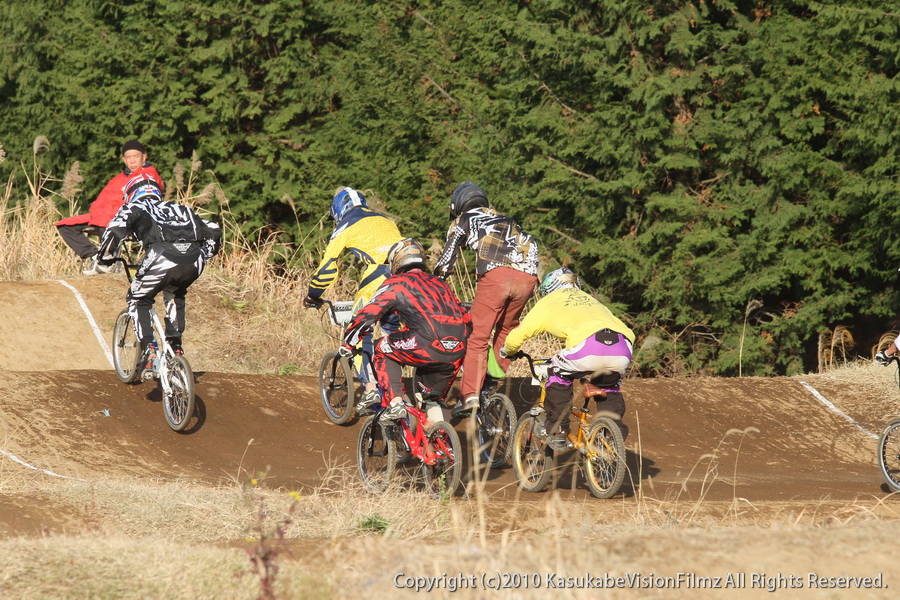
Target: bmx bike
(493, 423)
(340, 389)
(339, 382)
(173, 371)
(889, 447)
(384, 443)
(599, 445)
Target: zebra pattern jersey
(152, 221)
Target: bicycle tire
(126, 350)
(376, 454)
(178, 403)
(889, 454)
(337, 388)
(442, 479)
(533, 460)
(495, 421)
(604, 462)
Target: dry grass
(30, 247)
(340, 541)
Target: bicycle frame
(415, 441)
(160, 367)
(340, 313)
(579, 437)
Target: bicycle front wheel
(889, 454)
(178, 399)
(376, 454)
(337, 387)
(126, 349)
(443, 477)
(495, 422)
(533, 460)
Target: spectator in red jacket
(74, 229)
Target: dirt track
(67, 413)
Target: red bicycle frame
(416, 440)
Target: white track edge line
(91, 320)
(51, 473)
(834, 408)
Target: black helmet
(466, 196)
(405, 255)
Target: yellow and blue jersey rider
(368, 235)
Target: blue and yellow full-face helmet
(345, 200)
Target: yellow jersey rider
(597, 345)
(368, 235)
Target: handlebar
(531, 363)
(128, 267)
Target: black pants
(171, 276)
(435, 369)
(75, 237)
(558, 402)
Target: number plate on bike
(542, 371)
(343, 312)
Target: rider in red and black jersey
(435, 328)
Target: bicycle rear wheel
(889, 454)
(337, 388)
(605, 459)
(126, 349)
(533, 460)
(178, 402)
(443, 477)
(494, 424)
(376, 454)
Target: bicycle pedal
(147, 375)
(536, 411)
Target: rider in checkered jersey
(506, 268)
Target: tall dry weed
(30, 247)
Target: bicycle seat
(592, 390)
